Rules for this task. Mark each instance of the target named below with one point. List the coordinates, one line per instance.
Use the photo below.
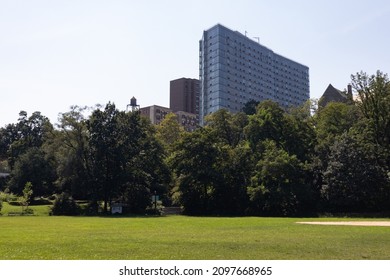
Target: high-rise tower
(235, 69)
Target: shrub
(7, 196)
(64, 204)
(1, 204)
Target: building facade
(234, 69)
(155, 113)
(332, 94)
(184, 95)
(189, 121)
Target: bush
(64, 204)
(28, 211)
(7, 196)
(1, 204)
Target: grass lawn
(38, 210)
(181, 237)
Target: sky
(55, 54)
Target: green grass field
(181, 237)
(38, 210)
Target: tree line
(264, 161)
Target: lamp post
(155, 201)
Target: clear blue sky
(54, 54)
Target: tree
(226, 127)
(127, 161)
(355, 179)
(8, 135)
(70, 147)
(27, 194)
(169, 131)
(64, 204)
(268, 123)
(250, 107)
(193, 164)
(106, 152)
(146, 170)
(29, 132)
(293, 133)
(335, 119)
(234, 166)
(33, 166)
(279, 186)
(374, 102)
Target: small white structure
(116, 208)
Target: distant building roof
(332, 94)
(4, 175)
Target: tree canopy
(266, 160)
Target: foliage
(355, 180)
(291, 132)
(169, 132)
(106, 153)
(29, 132)
(70, 147)
(250, 107)
(136, 197)
(374, 103)
(194, 166)
(227, 128)
(64, 204)
(25, 200)
(266, 160)
(36, 167)
(278, 186)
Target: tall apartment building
(184, 95)
(235, 69)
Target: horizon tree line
(265, 160)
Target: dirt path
(352, 223)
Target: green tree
(374, 102)
(127, 159)
(335, 119)
(234, 168)
(292, 132)
(146, 170)
(250, 107)
(27, 195)
(268, 123)
(169, 131)
(29, 132)
(33, 166)
(8, 135)
(69, 145)
(193, 164)
(279, 186)
(226, 127)
(64, 204)
(355, 180)
(106, 152)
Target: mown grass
(37, 210)
(181, 237)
